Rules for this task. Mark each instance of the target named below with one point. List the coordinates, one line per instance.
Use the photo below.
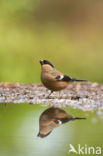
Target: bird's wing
(57, 121)
(55, 72)
(59, 76)
(63, 78)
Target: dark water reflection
(19, 126)
(52, 118)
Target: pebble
(86, 96)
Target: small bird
(52, 118)
(53, 79)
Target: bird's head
(46, 65)
(43, 134)
(45, 62)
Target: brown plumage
(52, 118)
(52, 78)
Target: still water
(19, 127)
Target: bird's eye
(57, 122)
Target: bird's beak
(41, 62)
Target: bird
(53, 79)
(51, 118)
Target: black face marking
(42, 62)
(43, 135)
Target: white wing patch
(60, 122)
(59, 77)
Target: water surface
(19, 126)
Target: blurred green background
(67, 33)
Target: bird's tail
(79, 80)
(64, 120)
(77, 118)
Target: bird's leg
(59, 95)
(49, 94)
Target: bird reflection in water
(52, 118)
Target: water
(19, 126)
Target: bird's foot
(48, 97)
